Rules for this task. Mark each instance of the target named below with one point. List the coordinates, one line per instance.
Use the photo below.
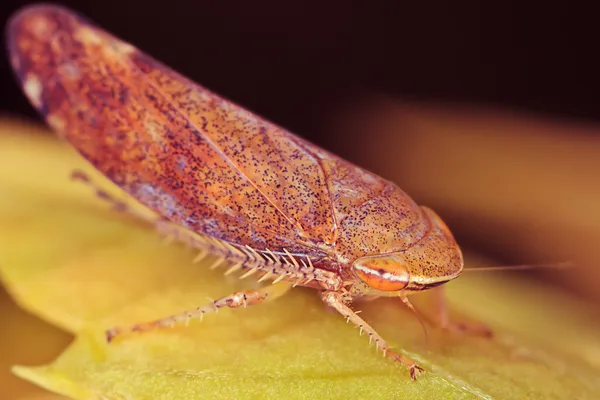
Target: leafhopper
(267, 203)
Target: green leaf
(69, 260)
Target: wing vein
(219, 150)
(319, 162)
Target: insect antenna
(559, 265)
(409, 305)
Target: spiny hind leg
(336, 301)
(164, 227)
(442, 318)
(116, 204)
(235, 300)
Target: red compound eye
(387, 273)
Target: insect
(265, 202)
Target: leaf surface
(69, 260)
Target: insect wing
(196, 158)
(191, 156)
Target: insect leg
(235, 300)
(169, 230)
(336, 301)
(442, 318)
(117, 204)
(163, 226)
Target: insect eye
(387, 273)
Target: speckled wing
(191, 156)
(195, 158)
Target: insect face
(432, 261)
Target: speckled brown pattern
(251, 188)
(203, 162)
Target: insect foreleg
(442, 318)
(336, 301)
(235, 300)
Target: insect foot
(335, 300)
(442, 319)
(413, 368)
(467, 328)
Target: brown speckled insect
(233, 185)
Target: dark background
(294, 61)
